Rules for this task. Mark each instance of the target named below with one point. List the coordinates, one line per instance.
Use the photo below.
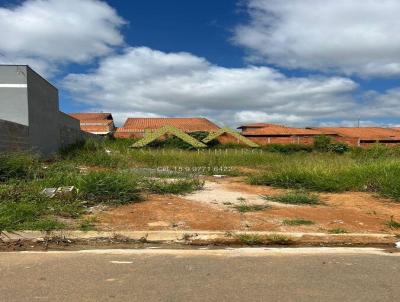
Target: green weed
(178, 186)
(337, 231)
(393, 224)
(109, 187)
(279, 239)
(297, 221)
(244, 208)
(250, 239)
(18, 165)
(296, 198)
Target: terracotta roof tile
(188, 124)
(274, 130)
(256, 125)
(363, 132)
(92, 116)
(100, 123)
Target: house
(263, 133)
(95, 123)
(136, 127)
(364, 136)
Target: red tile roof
(92, 116)
(276, 130)
(363, 132)
(256, 125)
(97, 123)
(188, 124)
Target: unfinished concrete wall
(43, 114)
(30, 112)
(70, 131)
(13, 136)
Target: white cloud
(246, 117)
(381, 105)
(47, 33)
(142, 80)
(351, 37)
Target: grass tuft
(250, 239)
(244, 208)
(88, 224)
(279, 239)
(295, 198)
(109, 187)
(18, 165)
(337, 231)
(179, 186)
(393, 224)
(297, 221)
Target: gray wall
(14, 99)
(43, 114)
(30, 116)
(13, 136)
(70, 131)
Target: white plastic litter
(65, 192)
(219, 176)
(49, 192)
(398, 245)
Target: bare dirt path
(212, 209)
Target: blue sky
(295, 62)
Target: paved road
(238, 275)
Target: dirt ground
(212, 209)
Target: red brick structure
(264, 134)
(364, 136)
(95, 123)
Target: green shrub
(322, 143)
(109, 187)
(339, 148)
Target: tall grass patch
(109, 187)
(18, 165)
(296, 198)
(176, 186)
(335, 173)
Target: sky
(292, 62)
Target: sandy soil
(211, 209)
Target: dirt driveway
(213, 209)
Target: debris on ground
(219, 176)
(62, 192)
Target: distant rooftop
(188, 124)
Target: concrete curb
(186, 236)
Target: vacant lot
(291, 189)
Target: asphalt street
(201, 275)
